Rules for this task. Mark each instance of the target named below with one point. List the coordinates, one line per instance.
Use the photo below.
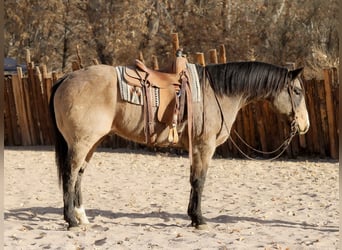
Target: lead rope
(285, 144)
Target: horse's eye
(297, 91)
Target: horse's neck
(230, 107)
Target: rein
(285, 144)
(282, 147)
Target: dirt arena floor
(138, 200)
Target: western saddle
(174, 95)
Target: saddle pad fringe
(134, 94)
(194, 82)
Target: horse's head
(291, 101)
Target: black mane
(250, 79)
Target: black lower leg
(78, 194)
(68, 198)
(194, 208)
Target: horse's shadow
(44, 214)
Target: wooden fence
(27, 122)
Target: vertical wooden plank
(155, 62)
(8, 131)
(36, 102)
(79, 59)
(252, 122)
(312, 135)
(75, 66)
(273, 133)
(240, 130)
(45, 118)
(213, 56)
(28, 56)
(175, 43)
(322, 115)
(13, 113)
(95, 61)
(286, 132)
(294, 145)
(336, 100)
(27, 140)
(40, 104)
(245, 127)
(33, 102)
(55, 76)
(260, 110)
(222, 54)
(141, 57)
(20, 107)
(200, 58)
(29, 100)
(330, 113)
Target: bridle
(294, 127)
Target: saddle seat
(157, 79)
(170, 85)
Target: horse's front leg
(198, 172)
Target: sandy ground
(138, 200)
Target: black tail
(61, 146)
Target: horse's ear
(295, 73)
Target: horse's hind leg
(71, 183)
(79, 208)
(78, 201)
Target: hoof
(80, 228)
(84, 223)
(74, 229)
(202, 227)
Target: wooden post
(322, 112)
(38, 73)
(175, 43)
(8, 130)
(21, 110)
(260, 110)
(43, 69)
(54, 76)
(79, 60)
(213, 56)
(28, 56)
(95, 61)
(141, 57)
(31, 101)
(330, 113)
(46, 86)
(13, 111)
(75, 66)
(40, 105)
(244, 112)
(200, 58)
(222, 54)
(155, 62)
(22, 115)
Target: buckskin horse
(86, 105)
